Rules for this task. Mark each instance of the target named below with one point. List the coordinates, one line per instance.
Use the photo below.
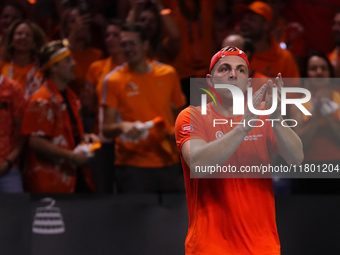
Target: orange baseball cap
(259, 8)
(227, 51)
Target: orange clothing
(275, 61)
(84, 59)
(94, 85)
(47, 116)
(143, 97)
(229, 215)
(196, 41)
(97, 72)
(334, 55)
(22, 75)
(12, 106)
(323, 146)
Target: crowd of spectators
(129, 63)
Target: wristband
(165, 11)
(10, 163)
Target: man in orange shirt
(54, 129)
(234, 215)
(142, 91)
(268, 58)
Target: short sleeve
(178, 97)
(38, 118)
(93, 73)
(110, 92)
(189, 125)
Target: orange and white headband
(56, 57)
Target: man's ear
(209, 80)
(249, 82)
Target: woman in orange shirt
(320, 132)
(21, 45)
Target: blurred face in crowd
(253, 26)
(64, 69)
(8, 16)
(133, 48)
(23, 39)
(148, 19)
(83, 33)
(336, 29)
(318, 69)
(112, 39)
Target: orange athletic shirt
(229, 216)
(196, 41)
(323, 146)
(84, 59)
(20, 74)
(12, 106)
(97, 72)
(275, 61)
(47, 115)
(143, 97)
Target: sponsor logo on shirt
(219, 134)
(252, 137)
(132, 89)
(187, 128)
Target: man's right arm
(112, 129)
(44, 146)
(197, 152)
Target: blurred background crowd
(297, 38)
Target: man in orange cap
(234, 214)
(268, 58)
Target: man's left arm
(289, 144)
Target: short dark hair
(137, 28)
(47, 51)
(320, 55)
